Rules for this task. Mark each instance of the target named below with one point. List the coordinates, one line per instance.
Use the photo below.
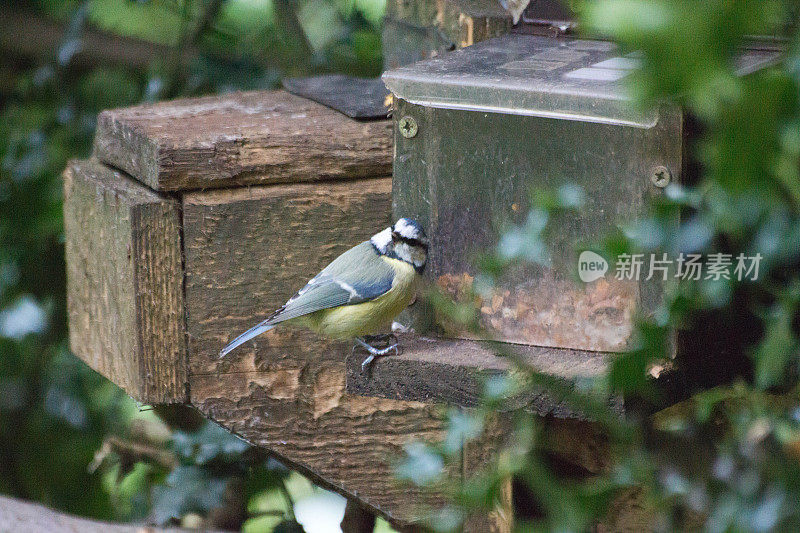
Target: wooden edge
(453, 371)
(125, 282)
(357, 518)
(240, 139)
(125, 147)
(480, 454)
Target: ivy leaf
(628, 373)
(266, 476)
(187, 489)
(209, 443)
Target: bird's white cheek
(410, 254)
(403, 251)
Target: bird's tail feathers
(246, 336)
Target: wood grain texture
(241, 139)
(125, 282)
(247, 251)
(453, 371)
(579, 443)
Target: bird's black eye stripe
(412, 242)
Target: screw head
(660, 176)
(408, 126)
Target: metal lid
(568, 79)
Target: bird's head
(406, 241)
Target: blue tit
(359, 293)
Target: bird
(359, 293)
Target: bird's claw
(375, 352)
(378, 353)
(366, 362)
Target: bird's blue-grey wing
(356, 276)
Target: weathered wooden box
(196, 218)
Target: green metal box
(477, 129)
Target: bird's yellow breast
(349, 321)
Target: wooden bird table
(195, 218)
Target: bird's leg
(374, 352)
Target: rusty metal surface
(467, 173)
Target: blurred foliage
(68, 437)
(200, 477)
(724, 456)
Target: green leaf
(421, 465)
(777, 349)
(628, 373)
(187, 489)
(209, 443)
(462, 426)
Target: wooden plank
(125, 282)
(247, 251)
(453, 371)
(241, 139)
(479, 455)
(342, 442)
